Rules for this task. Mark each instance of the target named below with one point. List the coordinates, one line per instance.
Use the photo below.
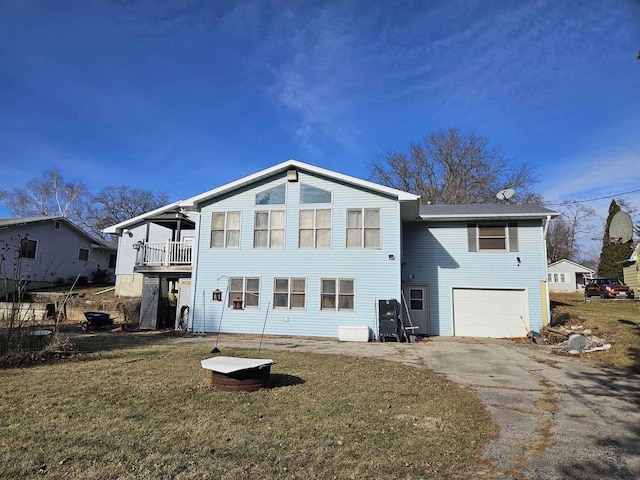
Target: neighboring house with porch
(41, 251)
(567, 276)
(303, 251)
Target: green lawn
(140, 409)
(615, 321)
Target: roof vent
(292, 175)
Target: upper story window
(225, 230)
(268, 229)
(272, 196)
(363, 228)
(315, 229)
(289, 293)
(309, 194)
(83, 254)
(493, 237)
(28, 248)
(56, 225)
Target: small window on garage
(56, 225)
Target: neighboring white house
(40, 251)
(303, 251)
(565, 276)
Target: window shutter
(513, 237)
(472, 237)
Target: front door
(416, 301)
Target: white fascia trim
(489, 216)
(400, 195)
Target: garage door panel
(489, 312)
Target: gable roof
(305, 167)
(18, 221)
(579, 268)
(484, 211)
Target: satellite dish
(620, 228)
(505, 194)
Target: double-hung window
(493, 237)
(245, 288)
(269, 229)
(337, 294)
(363, 228)
(315, 228)
(83, 254)
(225, 230)
(289, 293)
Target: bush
(100, 277)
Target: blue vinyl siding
(376, 276)
(437, 254)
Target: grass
(615, 321)
(136, 409)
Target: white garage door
(489, 313)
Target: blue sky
(185, 96)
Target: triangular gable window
(273, 196)
(309, 194)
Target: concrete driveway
(559, 417)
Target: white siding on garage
(489, 313)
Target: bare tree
(558, 244)
(452, 166)
(48, 196)
(565, 231)
(116, 204)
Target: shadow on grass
(277, 380)
(632, 323)
(554, 303)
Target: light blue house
(299, 250)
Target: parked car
(607, 288)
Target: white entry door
(416, 299)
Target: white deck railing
(165, 254)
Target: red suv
(607, 288)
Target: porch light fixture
(237, 303)
(217, 295)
